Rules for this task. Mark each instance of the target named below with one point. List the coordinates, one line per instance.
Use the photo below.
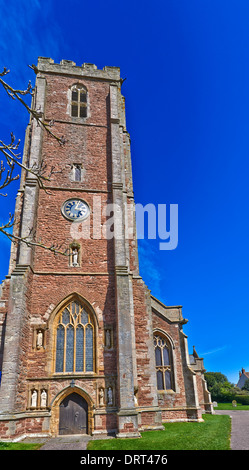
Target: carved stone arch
(79, 85)
(57, 400)
(167, 336)
(68, 299)
(67, 391)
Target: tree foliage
(219, 386)
(224, 391)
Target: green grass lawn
(18, 446)
(229, 406)
(212, 434)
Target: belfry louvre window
(78, 101)
(163, 363)
(74, 340)
(77, 173)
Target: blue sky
(186, 65)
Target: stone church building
(84, 346)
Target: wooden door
(73, 415)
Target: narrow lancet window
(78, 101)
(164, 368)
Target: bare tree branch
(15, 94)
(8, 177)
(54, 248)
(13, 158)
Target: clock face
(75, 209)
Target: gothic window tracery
(164, 368)
(74, 339)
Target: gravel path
(66, 443)
(71, 442)
(240, 428)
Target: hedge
(224, 397)
(242, 399)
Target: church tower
(85, 347)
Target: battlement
(68, 67)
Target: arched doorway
(73, 416)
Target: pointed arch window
(164, 367)
(78, 101)
(74, 339)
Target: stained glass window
(79, 348)
(65, 317)
(158, 356)
(89, 348)
(69, 348)
(164, 369)
(165, 356)
(74, 339)
(84, 317)
(167, 376)
(60, 348)
(159, 376)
